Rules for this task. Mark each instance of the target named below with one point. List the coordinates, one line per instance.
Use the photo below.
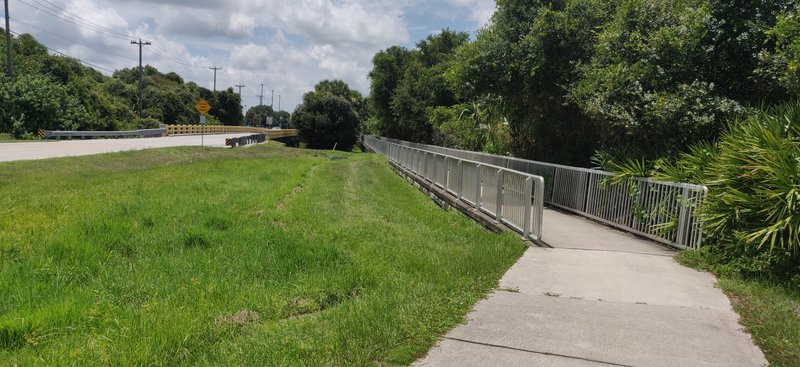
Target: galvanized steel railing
(512, 197)
(147, 133)
(659, 210)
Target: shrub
(752, 213)
(147, 123)
(754, 204)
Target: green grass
(8, 138)
(257, 256)
(769, 310)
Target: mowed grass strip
(257, 256)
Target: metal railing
(659, 210)
(147, 133)
(511, 197)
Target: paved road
(69, 148)
(599, 297)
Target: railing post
(538, 201)
(435, 170)
(478, 187)
(683, 218)
(446, 181)
(460, 183)
(425, 165)
(499, 197)
(527, 207)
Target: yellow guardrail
(212, 129)
(283, 133)
(223, 129)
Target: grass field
(258, 256)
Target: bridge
(598, 285)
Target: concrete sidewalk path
(599, 297)
(18, 151)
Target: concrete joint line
(537, 352)
(601, 250)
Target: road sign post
(202, 107)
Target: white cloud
(288, 46)
(481, 10)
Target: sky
(288, 46)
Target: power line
(164, 53)
(157, 50)
(68, 40)
(73, 18)
(71, 57)
(227, 76)
(64, 14)
(77, 21)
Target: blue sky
(286, 45)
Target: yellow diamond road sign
(203, 107)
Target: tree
(32, 102)
(664, 77)
(227, 107)
(528, 57)
(387, 72)
(405, 84)
(781, 66)
(257, 116)
(326, 118)
(281, 119)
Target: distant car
(276, 128)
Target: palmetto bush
(752, 213)
(754, 203)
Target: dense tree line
(559, 80)
(59, 93)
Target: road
(69, 148)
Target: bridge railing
(212, 129)
(513, 198)
(146, 133)
(659, 210)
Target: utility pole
(279, 102)
(261, 96)
(215, 76)
(141, 71)
(240, 89)
(9, 71)
(272, 100)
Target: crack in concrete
(537, 352)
